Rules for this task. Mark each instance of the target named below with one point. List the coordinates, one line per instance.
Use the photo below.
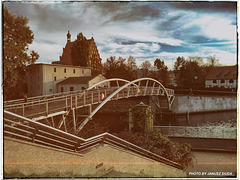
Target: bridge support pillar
(140, 118)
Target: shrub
(155, 142)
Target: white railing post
(145, 88)
(153, 88)
(23, 110)
(99, 96)
(75, 101)
(92, 98)
(74, 121)
(158, 90)
(138, 89)
(71, 100)
(66, 103)
(47, 107)
(84, 99)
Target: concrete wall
(183, 104)
(24, 159)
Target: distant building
(79, 83)
(43, 78)
(223, 76)
(94, 60)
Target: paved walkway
(209, 164)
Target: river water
(211, 125)
(223, 119)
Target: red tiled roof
(222, 72)
(66, 56)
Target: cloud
(127, 11)
(145, 30)
(206, 6)
(47, 52)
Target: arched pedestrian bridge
(45, 108)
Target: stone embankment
(194, 104)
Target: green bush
(155, 142)
(142, 117)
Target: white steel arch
(120, 89)
(107, 81)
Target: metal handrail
(75, 143)
(35, 123)
(70, 93)
(21, 101)
(77, 100)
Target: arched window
(214, 81)
(231, 81)
(222, 81)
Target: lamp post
(195, 77)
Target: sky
(144, 30)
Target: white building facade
(43, 78)
(80, 83)
(223, 76)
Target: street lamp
(195, 77)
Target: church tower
(68, 37)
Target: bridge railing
(39, 98)
(44, 107)
(18, 127)
(199, 132)
(22, 128)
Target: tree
(80, 51)
(132, 67)
(117, 68)
(145, 68)
(212, 61)
(16, 39)
(190, 73)
(162, 74)
(178, 64)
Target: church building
(94, 60)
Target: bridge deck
(44, 106)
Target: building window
(231, 81)
(65, 70)
(55, 78)
(74, 71)
(55, 70)
(71, 88)
(83, 71)
(214, 81)
(38, 78)
(61, 89)
(222, 81)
